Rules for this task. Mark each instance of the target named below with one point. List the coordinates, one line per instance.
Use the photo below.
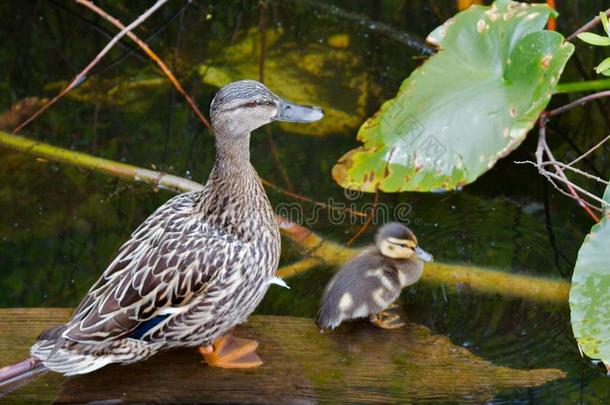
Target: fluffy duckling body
(368, 285)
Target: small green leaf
(602, 67)
(594, 39)
(606, 72)
(604, 19)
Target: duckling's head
(396, 241)
(243, 106)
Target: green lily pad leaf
(590, 291)
(468, 106)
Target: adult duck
(197, 267)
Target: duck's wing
(168, 261)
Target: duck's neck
(234, 191)
(232, 149)
(232, 165)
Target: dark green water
(60, 226)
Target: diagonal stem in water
(83, 74)
(152, 55)
(312, 246)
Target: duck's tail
(15, 375)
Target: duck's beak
(423, 255)
(290, 112)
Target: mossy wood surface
(356, 363)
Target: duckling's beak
(423, 255)
(290, 112)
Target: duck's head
(243, 106)
(396, 241)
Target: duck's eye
(252, 103)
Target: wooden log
(355, 363)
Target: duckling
(368, 285)
(196, 268)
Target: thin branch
(583, 191)
(550, 176)
(545, 174)
(130, 49)
(152, 55)
(83, 74)
(589, 151)
(568, 140)
(543, 148)
(571, 186)
(578, 103)
(366, 23)
(311, 200)
(368, 220)
(591, 24)
(577, 171)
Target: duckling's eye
(251, 103)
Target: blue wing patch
(146, 326)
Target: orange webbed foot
(231, 352)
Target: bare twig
(578, 103)
(152, 55)
(594, 22)
(543, 149)
(311, 200)
(366, 23)
(581, 190)
(587, 153)
(578, 171)
(571, 186)
(368, 220)
(83, 74)
(554, 176)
